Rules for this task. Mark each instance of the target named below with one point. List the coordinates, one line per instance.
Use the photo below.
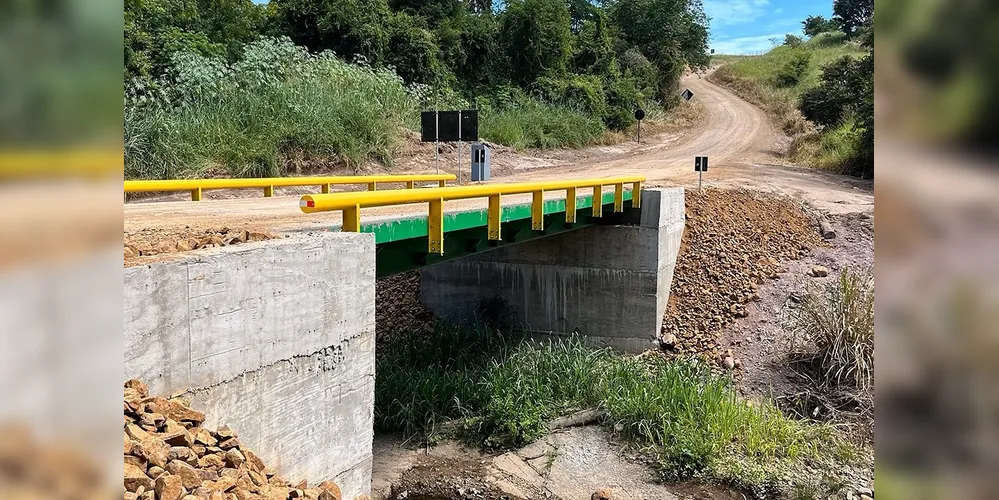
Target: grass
(503, 390)
(753, 77)
(833, 330)
(827, 149)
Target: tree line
(602, 58)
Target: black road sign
(428, 126)
(639, 114)
(444, 126)
(469, 125)
(700, 164)
(447, 126)
(687, 94)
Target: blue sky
(746, 26)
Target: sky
(746, 26)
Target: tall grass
(251, 117)
(505, 390)
(833, 329)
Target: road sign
(449, 126)
(639, 114)
(687, 94)
(701, 164)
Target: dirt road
(736, 136)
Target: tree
(536, 39)
(350, 28)
(852, 15)
(813, 25)
(672, 34)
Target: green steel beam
(401, 245)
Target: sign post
(639, 114)
(700, 166)
(437, 141)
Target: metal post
(639, 131)
(437, 141)
(459, 147)
(699, 174)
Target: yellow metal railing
(352, 203)
(195, 186)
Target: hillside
(775, 81)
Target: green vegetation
(549, 72)
(504, 390)
(820, 90)
(278, 102)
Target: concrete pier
(274, 338)
(609, 283)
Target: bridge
(261, 335)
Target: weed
(833, 330)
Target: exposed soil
(148, 245)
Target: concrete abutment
(275, 339)
(609, 283)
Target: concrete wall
(275, 339)
(610, 283)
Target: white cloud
(779, 10)
(728, 12)
(746, 45)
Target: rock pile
(734, 241)
(169, 456)
(398, 307)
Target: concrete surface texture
(609, 283)
(275, 339)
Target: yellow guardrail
(352, 203)
(195, 186)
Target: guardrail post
(495, 212)
(435, 227)
(570, 205)
(442, 183)
(410, 184)
(618, 197)
(538, 211)
(196, 194)
(326, 189)
(598, 201)
(269, 191)
(636, 195)
(352, 219)
(372, 186)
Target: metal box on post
(480, 162)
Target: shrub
(830, 102)
(833, 329)
(791, 73)
(792, 40)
